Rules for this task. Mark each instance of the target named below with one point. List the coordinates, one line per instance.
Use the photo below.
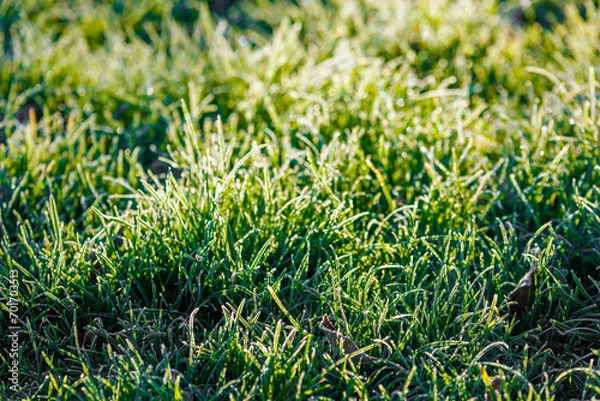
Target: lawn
(310, 199)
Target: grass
(184, 196)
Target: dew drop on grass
(149, 88)
(244, 41)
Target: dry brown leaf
(326, 323)
(520, 296)
(28, 112)
(348, 347)
(91, 336)
(496, 387)
(96, 267)
(161, 169)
